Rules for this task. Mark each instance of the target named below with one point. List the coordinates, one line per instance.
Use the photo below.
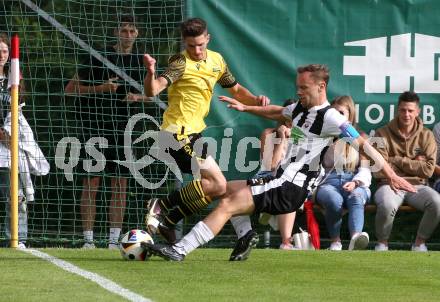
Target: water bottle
(267, 239)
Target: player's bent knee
(220, 187)
(215, 187)
(226, 206)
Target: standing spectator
(190, 79)
(346, 186)
(30, 157)
(436, 184)
(103, 111)
(411, 151)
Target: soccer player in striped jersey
(190, 78)
(315, 125)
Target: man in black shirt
(103, 109)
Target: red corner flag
(14, 80)
(15, 71)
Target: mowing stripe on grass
(101, 281)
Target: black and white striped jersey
(313, 131)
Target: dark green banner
(375, 51)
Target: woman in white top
(30, 158)
(4, 148)
(345, 186)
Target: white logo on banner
(400, 65)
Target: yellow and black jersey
(190, 87)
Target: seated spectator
(436, 175)
(345, 186)
(411, 151)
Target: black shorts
(187, 153)
(114, 134)
(107, 118)
(276, 195)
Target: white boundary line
(101, 281)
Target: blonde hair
(347, 102)
(350, 154)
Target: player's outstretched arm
(243, 95)
(152, 86)
(395, 181)
(272, 112)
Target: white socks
(88, 236)
(241, 224)
(113, 238)
(199, 235)
(114, 235)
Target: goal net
(56, 39)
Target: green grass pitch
(207, 275)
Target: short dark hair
(318, 71)
(5, 39)
(193, 27)
(409, 97)
(126, 18)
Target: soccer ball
(130, 245)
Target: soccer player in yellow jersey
(190, 79)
